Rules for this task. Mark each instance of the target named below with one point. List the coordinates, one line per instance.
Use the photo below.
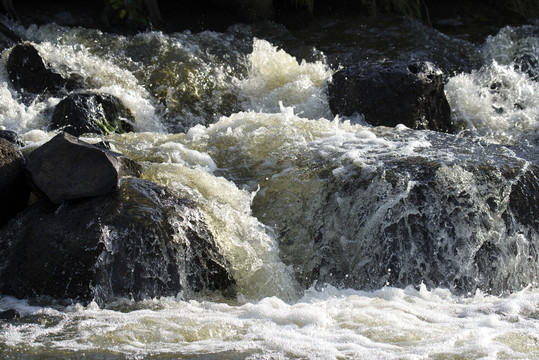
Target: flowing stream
(346, 241)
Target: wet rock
(11, 136)
(141, 241)
(457, 215)
(83, 113)
(524, 202)
(67, 168)
(528, 64)
(30, 76)
(393, 93)
(14, 192)
(9, 314)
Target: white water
(323, 324)
(497, 103)
(267, 149)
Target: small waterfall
(363, 208)
(265, 227)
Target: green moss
(132, 11)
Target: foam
(285, 147)
(276, 77)
(497, 103)
(327, 323)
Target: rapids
(346, 241)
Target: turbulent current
(346, 241)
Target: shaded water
(346, 241)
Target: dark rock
(139, 242)
(82, 113)
(11, 136)
(393, 93)
(458, 214)
(528, 64)
(103, 145)
(29, 74)
(524, 201)
(67, 168)
(9, 314)
(7, 37)
(14, 192)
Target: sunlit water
(244, 129)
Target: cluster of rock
(384, 93)
(79, 112)
(77, 222)
(407, 220)
(79, 239)
(97, 231)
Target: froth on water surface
(345, 241)
(324, 324)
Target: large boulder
(455, 214)
(67, 168)
(14, 192)
(142, 241)
(30, 76)
(392, 93)
(83, 113)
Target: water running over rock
(385, 242)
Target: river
(324, 219)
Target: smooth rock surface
(30, 76)
(392, 93)
(67, 168)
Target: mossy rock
(82, 113)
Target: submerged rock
(83, 113)
(452, 214)
(14, 192)
(139, 242)
(393, 93)
(29, 74)
(67, 168)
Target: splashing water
(346, 241)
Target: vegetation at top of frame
(131, 10)
(526, 8)
(135, 11)
(413, 8)
(410, 8)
